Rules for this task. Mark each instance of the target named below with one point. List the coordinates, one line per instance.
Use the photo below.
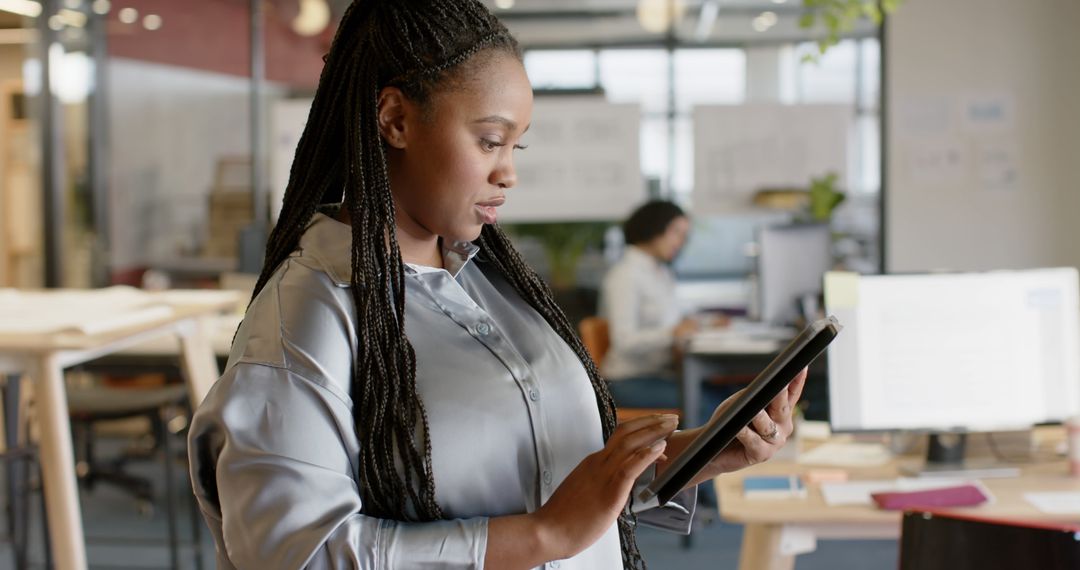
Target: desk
(724, 351)
(44, 356)
(775, 531)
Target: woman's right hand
(591, 498)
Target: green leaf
(806, 21)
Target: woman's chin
(469, 233)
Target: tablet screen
(721, 430)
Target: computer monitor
(954, 352)
(720, 246)
(792, 259)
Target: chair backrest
(932, 540)
(594, 334)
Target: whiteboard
(582, 162)
(740, 149)
(287, 120)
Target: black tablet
(721, 431)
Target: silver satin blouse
(274, 450)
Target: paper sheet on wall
(988, 112)
(938, 161)
(925, 116)
(997, 162)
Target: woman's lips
(488, 214)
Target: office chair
(89, 406)
(20, 463)
(597, 340)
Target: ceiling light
(313, 18)
(710, 9)
(657, 16)
(128, 15)
(504, 4)
(72, 18)
(779, 1)
(764, 21)
(101, 7)
(152, 22)
(21, 7)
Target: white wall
(168, 128)
(948, 203)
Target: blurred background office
(147, 143)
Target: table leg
(58, 465)
(692, 375)
(761, 549)
(198, 361)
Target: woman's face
(668, 244)
(452, 161)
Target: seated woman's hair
(650, 221)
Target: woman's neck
(417, 245)
(650, 250)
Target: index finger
(643, 422)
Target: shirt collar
(330, 243)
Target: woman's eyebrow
(500, 120)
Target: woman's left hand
(755, 443)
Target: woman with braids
(403, 392)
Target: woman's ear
(392, 111)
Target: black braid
(497, 248)
(414, 45)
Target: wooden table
(776, 531)
(44, 356)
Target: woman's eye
(489, 145)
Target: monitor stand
(945, 459)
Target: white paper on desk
(858, 492)
(88, 311)
(846, 455)
(732, 340)
(1060, 503)
(124, 320)
(198, 296)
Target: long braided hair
(415, 45)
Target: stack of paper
(850, 454)
(81, 311)
(858, 492)
(1062, 503)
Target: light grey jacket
(274, 449)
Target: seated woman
(646, 324)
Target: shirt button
(555, 564)
(547, 477)
(483, 329)
(534, 395)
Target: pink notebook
(958, 496)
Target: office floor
(119, 538)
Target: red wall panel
(214, 35)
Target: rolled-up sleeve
(677, 515)
(274, 463)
